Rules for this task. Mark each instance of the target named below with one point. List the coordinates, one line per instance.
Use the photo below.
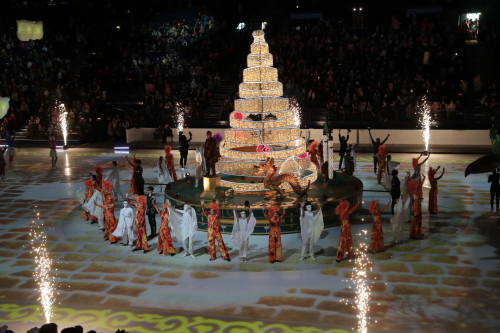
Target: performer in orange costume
(108, 206)
(416, 221)
(345, 242)
(140, 222)
(382, 162)
(214, 232)
(313, 151)
(90, 187)
(165, 245)
(377, 239)
(133, 164)
(169, 160)
(275, 249)
(433, 200)
(417, 167)
(98, 171)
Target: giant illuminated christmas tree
(262, 126)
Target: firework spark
(63, 121)
(362, 288)
(179, 116)
(425, 121)
(43, 265)
(297, 111)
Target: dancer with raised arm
(275, 249)
(213, 234)
(417, 170)
(242, 229)
(184, 224)
(108, 207)
(140, 222)
(165, 245)
(184, 148)
(416, 221)
(125, 228)
(311, 226)
(169, 161)
(343, 146)
(376, 144)
(313, 151)
(133, 164)
(210, 154)
(377, 239)
(433, 201)
(382, 163)
(345, 241)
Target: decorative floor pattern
(447, 282)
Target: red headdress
(213, 206)
(381, 149)
(98, 169)
(112, 198)
(167, 150)
(140, 199)
(164, 205)
(431, 173)
(342, 206)
(414, 163)
(313, 145)
(271, 211)
(412, 186)
(88, 183)
(373, 205)
(107, 185)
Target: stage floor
(447, 282)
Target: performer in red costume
(433, 200)
(382, 162)
(140, 222)
(417, 171)
(53, 151)
(90, 186)
(377, 239)
(108, 206)
(345, 242)
(275, 249)
(98, 171)
(416, 221)
(214, 232)
(313, 151)
(133, 164)
(165, 245)
(169, 161)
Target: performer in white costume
(114, 178)
(184, 225)
(242, 229)
(163, 174)
(125, 229)
(401, 209)
(311, 226)
(93, 209)
(200, 166)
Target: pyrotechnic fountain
(43, 264)
(362, 288)
(179, 116)
(63, 122)
(425, 122)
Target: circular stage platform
(343, 187)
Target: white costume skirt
(94, 210)
(53, 153)
(11, 151)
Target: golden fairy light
(43, 265)
(63, 121)
(425, 121)
(179, 116)
(362, 288)
(297, 111)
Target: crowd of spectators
(53, 328)
(380, 76)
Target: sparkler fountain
(63, 122)
(43, 265)
(179, 116)
(362, 288)
(425, 122)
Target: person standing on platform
(169, 161)
(494, 179)
(199, 166)
(343, 146)
(125, 229)
(395, 189)
(210, 155)
(275, 249)
(433, 206)
(184, 148)
(376, 144)
(53, 151)
(140, 222)
(377, 238)
(184, 224)
(165, 245)
(139, 181)
(242, 229)
(345, 241)
(416, 221)
(311, 226)
(114, 178)
(213, 231)
(151, 211)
